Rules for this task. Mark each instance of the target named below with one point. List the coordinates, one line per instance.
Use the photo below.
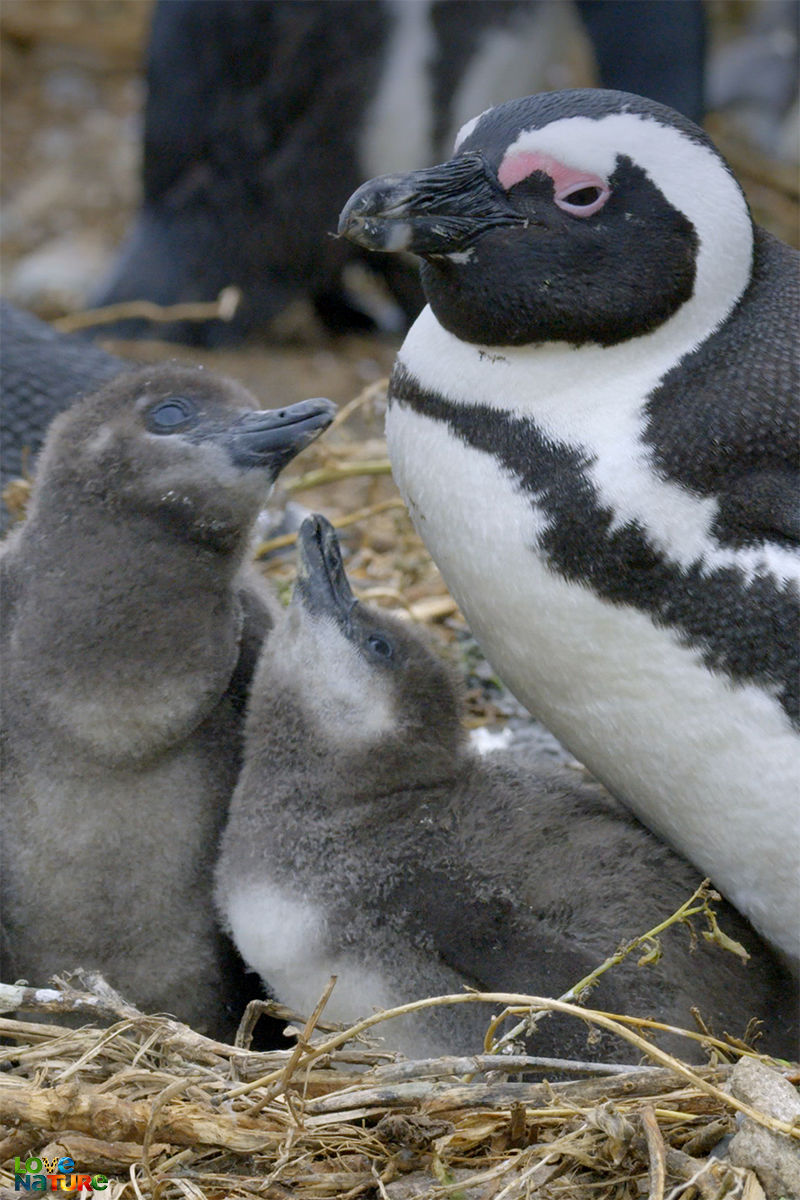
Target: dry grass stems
(222, 309)
(165, 1112)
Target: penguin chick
(130, 627)
(366, 840)
(599, 408)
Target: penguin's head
(178, 444)
(368, 684)
(577, 216)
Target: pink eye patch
(577, 192)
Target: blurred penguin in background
(43, 371)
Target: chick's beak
(322, 586)
(269, 438)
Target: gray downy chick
(131, 625)
(366, 840)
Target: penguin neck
(312, 770)
(131, 549)
(570, 386)
(139, 633)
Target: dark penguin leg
(655, 49)
(251, 130)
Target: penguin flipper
(257, 620)
(495, 943)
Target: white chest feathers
(285, 939)
(711, 766)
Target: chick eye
(171, 415)
(380, 646)
(583, 200)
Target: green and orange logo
(49, 1175)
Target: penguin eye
(380, 646)
(583, 200)
(171, 415)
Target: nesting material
(164, 1112)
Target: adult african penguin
(594, 425)
(131, 622)
(367, 840)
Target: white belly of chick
(285, 939)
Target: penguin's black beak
(440, 210)
(322, 586)
(270, 438)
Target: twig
(250, 1017)
(297, 1052)
(361, 514)
(506, 1064)
(85, 1109)
(29, 1031)
(222, 309)
(384, 1195)
(648, 940)
(443, 1097)
(656, 1154)
(517, 1002)
(173, 1089)
(95, 1155)
(347, 470)
(704, 1039)
(102, 1000)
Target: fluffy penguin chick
(130, 629)
(366, 840)
(599, 408)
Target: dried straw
(166, 1112)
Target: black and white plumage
(43, 371)
(131, 623)
(366, 840)
(252, 145)
(594, 426)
